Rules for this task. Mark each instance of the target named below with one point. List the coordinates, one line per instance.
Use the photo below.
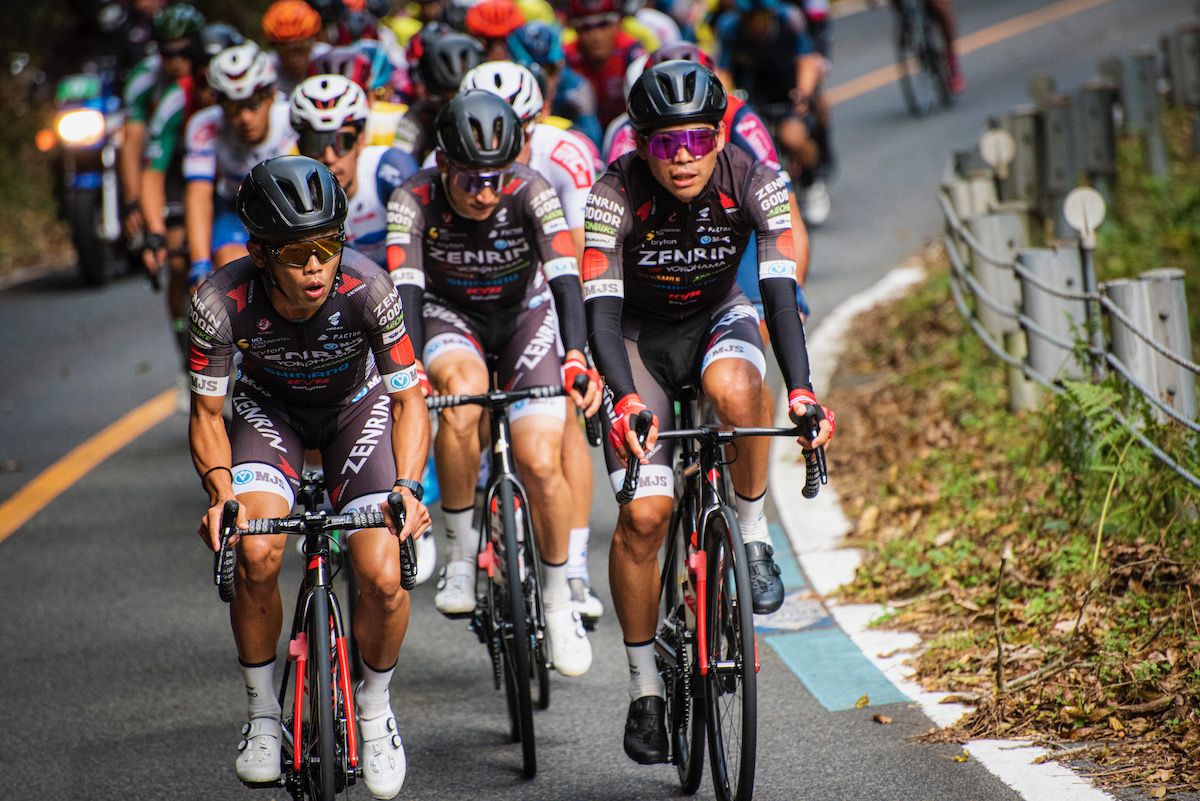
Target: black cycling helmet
(479, 129)
(675, 93)
(444, 61)
(177, 21)
(210, 40)
(286, 198)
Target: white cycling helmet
(327, 102)
(510, 81)
(238, 72)
(634, 71)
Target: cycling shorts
(527, 343)
(355, 442)
(666, 357)
(227, 228)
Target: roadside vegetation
(1049, 562)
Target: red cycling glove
(798, 402)
(573, 368)
(627, 407)
(423, 383)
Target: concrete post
(1000, 235)
(1025, 124)
(1059, 168)
(1061, 318)
(1143, 108)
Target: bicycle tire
(916, 81)
(934, 55)
(685, 693)
(730, 686)
(515, 642)
(320, 742)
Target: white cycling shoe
(816, 203)
(384, 765)
(584, 600)
(258, 757)
(456, 589)
(426, 557)
(570, 650)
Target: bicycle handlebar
(641, 426)
(497, 398)
(303, 524)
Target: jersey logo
(571, 159)
(287, 469)
(347, 284)
(644, 211)
(424, 191)
(264, 325)
(594, 264)
(197, 361)
(239, 295)
(512, 188)
(205, 133)
(726, 201)
(335, 319)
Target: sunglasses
(297, 254)
(595, 22)
(252, 103)
(180, 51)
(699, 142)
(313, 143)
(474, 182)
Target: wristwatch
(417, 490)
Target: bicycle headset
(675, 93)
(287, 197)
(469, 124)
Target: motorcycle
(87, 134)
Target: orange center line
(966, 44)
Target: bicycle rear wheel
(320, 736)
(680, 668)
(514, 641)
(731, 689)
(917, 82)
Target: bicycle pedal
(589, 622)
(264, 785)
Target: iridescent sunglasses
(297, 254)
(475, 181)
(699, 142)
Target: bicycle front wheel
(320, 736)
(514, 641)
(730, 686)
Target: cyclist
(366, 63)
(491, 22)
(943, 12)
(247, 125)
(292, 27)
(602, 53)
(562, 160)
(281, 307)
(664, 312)
(162, 184)
(767, 52)
(471, 234)
(572, 98)
(443, 62)
(173, 28)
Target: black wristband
(130, 206)
(154, 242)
(414, 486)
(204, 478)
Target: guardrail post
(1095, 134)
(1058, 170)
(1000, 235)
(1156, 306)
(1061, 318)
(1143, 109)
(1025, 123)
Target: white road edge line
(816, 529)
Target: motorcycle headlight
(83, 128)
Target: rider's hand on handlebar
(210, 524)
(622, 436)
(416, 517)
(573, 367)
(804, 410)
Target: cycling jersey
(649, 256)
(485, 269)
(608, 79)
(381, 170)
(214, 153)
(164, 141)
(325, 362)
(575, 100)
(764, 68)
(414, 131)
(144, 87)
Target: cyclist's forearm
(808, 73)
(572, 320)
(786, 330)
(129, 160)
(608, 346)
(410, 433)
(154, 200)
(198, 216)
(210, 446)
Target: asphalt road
(117, 668)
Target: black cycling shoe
(766, 588)
(646, 730)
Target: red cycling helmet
(494, 19)
(590, 8)
(681, 51)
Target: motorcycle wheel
(100, 261)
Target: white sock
(555, 592)
(751, 519)
(460, 530)
(577, 553)
(374, 697)
(644, 678)
(260, 690)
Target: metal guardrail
(1037, 308)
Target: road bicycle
(705, 646)
(921, 58)
(320, 744)
(509, 616)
